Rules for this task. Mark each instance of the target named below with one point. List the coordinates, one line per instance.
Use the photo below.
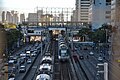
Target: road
(89, 62)
(20, 76)
(82, 69)
(33, 68)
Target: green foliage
(10, 25)
(84, 31)
(99, 36)
(12, 37)
(106, 26)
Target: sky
(25, 6)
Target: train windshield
(63, 51)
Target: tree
(99, 35)
(10, 25)
(12, 37)
(85, 32)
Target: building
(82, 10)
(32, 17)
(22, 18)
(3, 16)
(39, 14)
(12, 17)
(61, 17)
(35, 17)
(99, 13)
(15, 18)
(9, 17)
(46, 19)
(115, 13)
(74, 17)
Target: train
(63, 51)
(43, 77)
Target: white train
(63, 54)
(43, 77)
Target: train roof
(43, 77)
(63, 46)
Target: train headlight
(59, 57)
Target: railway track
(56, 75)
(65, 71)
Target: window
(85, 0)
(84, 13)
(83, 19)
(108, 12)
(30, 31)
(108, 17)
(84, 16)
(108, 3)
(85, 8)
(108, 0)
(85, 5)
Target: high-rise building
(115, 13)
(12, 17)
(99, 13)
(9, 17)
(74, 17)
(32, 17)
(35, 17)
(61, 17)
(22, 18)
(15, 18)
(3, 16)
(39, 14)
(82, 9)
(13, 12)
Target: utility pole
(41, 42)
(72, 40)
(37, 16)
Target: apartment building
(99, 13)
(82, 10)
(32, 17)
(3, 16)
(9, 17)
(115, 13)
(22, 17)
